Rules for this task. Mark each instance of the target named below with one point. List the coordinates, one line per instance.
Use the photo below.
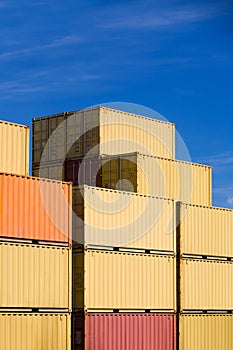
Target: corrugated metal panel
(119, 280)
(98, 130)
(183, 181)
(32, 208)
(132, 331)
(83, 171)
(14, 148)
(42, 129)
(35, 331)
(119, 173)
(50, 171)
(206, 231)
(205, 332)
(135, 172)
(206, 285)
(35, 276)
(122, 132)
(68, 135)
(123, 219)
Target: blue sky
(175, 57)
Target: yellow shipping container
(206, 332)
(166, 178)
(122, 280)
(35, 276)
(14, 148)
(24, 331)
(206, 284)
(123, 219)
(206, 231)
(100, 130)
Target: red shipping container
(35, 209)
(124, 331)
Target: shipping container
(124, 331)
(206, 332)
(206, 284)
(37, 331)
(123, 280)
(167, 178)
(135, 172)
(104, 217)
(42, 129)
(14, 148)
(35, 276)
(99, 130)
(206, 231)
(50, 171)
(35, 209)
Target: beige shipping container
(99, 130)
(161, 177)
(37, 331)
(122, 219)
(14, 148)
(123, 280)
(35, 276)
(206, 284)
(206, 231)
(122, 132)
(206, 332)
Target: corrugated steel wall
(122, 280)
(24, 331)
(35, 276)
(119, 172)
(124, 219)
(100, 130)
(206, 231)
(14, 148)
(33, 208)
(132, 331)
(206, 284)
(183, 181)
(122, 132)
(206, 332)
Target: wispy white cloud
(63, 41)
(221, 159)
(158, 18)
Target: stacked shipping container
(205, 277)
(132, 270)
(104, 278)
(35, 254)
(136, 172)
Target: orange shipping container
(35, 209)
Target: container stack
(35, 254)
(149, 271)
(205, 277)
(124, 275)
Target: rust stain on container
(124, 331)
(37, 209)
